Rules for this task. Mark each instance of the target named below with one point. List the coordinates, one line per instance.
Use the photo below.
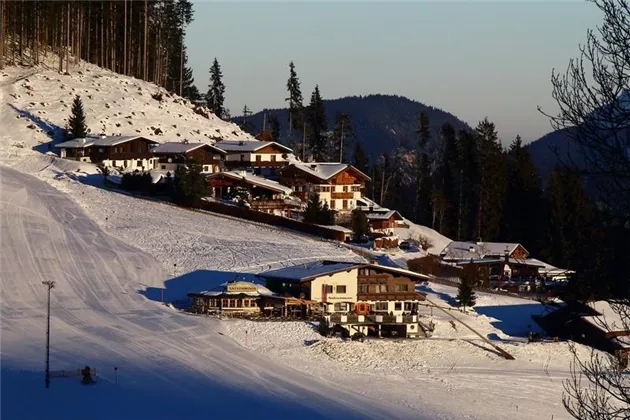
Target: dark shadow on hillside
(426, 288)
(513, 320)
(53, 131)
(176, 289)
(137, 395)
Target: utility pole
(49, 284)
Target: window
(258, 158)
(329, 289)
(341, 289)
(273, 158)
(100, 150)
(164, 167)
(139, 163)
(363, 288)
(242, 158)
(205, 168)
(139, 149)
(380, 306)
(344, 204)
(355, 188)
(345, 188)
(382, 288)
(401, 288)
(398, 306)
(332, 204)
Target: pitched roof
(309, 271)
(383, 215)
(248, 145)
(457, 250)
(100, 141)
(223, 289)
(324, 170)
(182, 148)
(254, 180)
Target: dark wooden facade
(205, 155)
(137, 148)
(375, 284)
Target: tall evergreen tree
(466, 293)
(317, 126)
(523, 214)
(342, 138)
(274, 123)
(424, 187)
(190, 184)
(215, 97)
(360, 159)
(449, 174)
(296, 107)
(360, 225)
(468, 163)
(246, 125)
(492, 182)
(76, 122)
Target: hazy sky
(473, 59)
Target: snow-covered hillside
(36, 105)
(112, 255)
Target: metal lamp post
(49, 284)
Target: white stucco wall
(391, 307)
(348, 279)
(132, 164)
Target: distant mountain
(556, 146)
(381, 122)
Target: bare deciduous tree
(594, 100)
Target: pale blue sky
(473, 59)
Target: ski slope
(177, 365)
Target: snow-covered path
(175, 365)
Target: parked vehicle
(405, 245)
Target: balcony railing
(339, 318)
(342, 195)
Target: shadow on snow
(177, 288)
(513, 320)
(53, 131)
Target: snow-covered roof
(548, 269)
(608, 319)
(514, 261)
(182, 148)
(248, 145)
(457, 250)
(337, 228)
(307, 272)
(99, 141)
(365, 203)
(324, 170)
(383, 216)
(238, 288)
(253, 179)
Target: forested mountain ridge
(381, 123)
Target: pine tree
(215, 97)
(76, 122)
(246, 125)
(190, 184)
(466, 293)
(313, 207)
(523, 214)
(296, 107)
(275, 127)
(360, 225)
(467, 178)
(242, 193)
(360, 159)
(492, 182)
(342, 138)
(424, 187)
(317, 126)
(449, 173)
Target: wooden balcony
(342, 195)
(351, 318)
